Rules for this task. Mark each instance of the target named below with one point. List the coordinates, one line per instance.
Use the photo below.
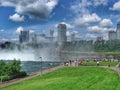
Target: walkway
(113, 68)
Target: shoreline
(17, 80)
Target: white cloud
(69, 26)
(94, 29)
(34, 8)
(81, 7)
(86, 19)
(31, 31)
(17, 18)
(106, 23)
(19, 29)
(98, 29)
(3, 39)
(100, 2)
(89, 35)
(116, 6)
(69, 33)
(2, 30)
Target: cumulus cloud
(69, 26)
(17, 18)
(116, 6)
(86, 19)
(34, 8)
(106, 23)
(69, 33)
(89, 35)
(100, 2)
(19, 29)
(81, 7)
(99, 29)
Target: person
(75, 62)
(97, 63)
(70, 62)
(119, 66)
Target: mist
(45, 53)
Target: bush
(22, 74)
(11, 70)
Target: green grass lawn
(72, 78)
(101, 63)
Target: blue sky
(86, 18)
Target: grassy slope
(72, 78)
(101, 63)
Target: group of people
(73, 63)
(80, 63)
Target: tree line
(96, 46)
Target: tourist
(70, 62)
(76, 63)
(97, 63)
(119, 66)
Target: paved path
(113, 68)
(7, 83)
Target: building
(111, 35)
(24, 37)
(99, 38)
(118, 30)
(51, 33)
(61, 33)
(73, 37)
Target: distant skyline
(86, 18)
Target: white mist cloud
(34, 8)
(17, 18)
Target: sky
(88, 19)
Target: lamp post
(41, 64)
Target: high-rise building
(51, 33)
(61, 33)
(111, 35)
(24, 37)
(118, 30)
(73, 37)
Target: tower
(118, 30)
(111, 35)
(51, 33)
(61, 33)
(24, 37)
